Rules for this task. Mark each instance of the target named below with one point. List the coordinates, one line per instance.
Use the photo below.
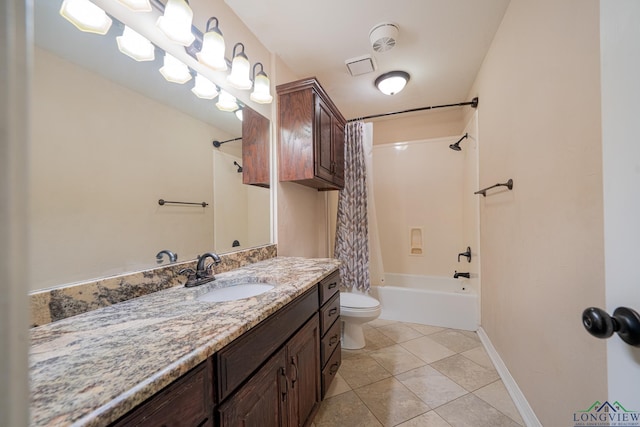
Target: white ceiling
(441, 44)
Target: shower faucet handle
(467, 254)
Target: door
(262, 401)
(304, 364)
(620, 65)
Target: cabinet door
(337, 150)
(255, 148)
(303, 356)
(262, 401)
(323, 140)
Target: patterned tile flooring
(411, 375)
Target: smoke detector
(383, 36)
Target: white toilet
(355, 310)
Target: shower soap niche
(415, 237)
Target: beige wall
(93, 191)
(542, 243)
(417, 126)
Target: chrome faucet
(457, 275)
(203, 273)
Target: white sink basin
(233, 293)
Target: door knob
(625, 321)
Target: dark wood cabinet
(255, 148)
(274, 375)
(311, 136)
(188, 402)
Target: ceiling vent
(383, 36)
(360, 65)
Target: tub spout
(457, 275)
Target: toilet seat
(354, 301)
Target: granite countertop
(93, 368)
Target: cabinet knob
(625, 321)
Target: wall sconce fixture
(213, 48)
(135, 45)
(175, 70)
(176, 22)
(226, 102)
(204, 88)
(86, 16)
(239, 114)
(240, 69)
(261, 86)
(137, 5)
(392, 82)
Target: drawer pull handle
(333, 285)
(333, 340)
(333, 311)
(334, 368)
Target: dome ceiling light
(392, 82)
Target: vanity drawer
(329, 313)
(330, 341)
(329, 371)
(187, 402)
(329, 286)
(237, 361)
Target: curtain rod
(473, 103)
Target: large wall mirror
(110, 138)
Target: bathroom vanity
(169, 359)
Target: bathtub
(428, 300)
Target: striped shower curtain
(352, 237)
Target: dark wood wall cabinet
(275, 375)
(255, 148)
(311, 136)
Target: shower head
(456, 146)
(239, 167)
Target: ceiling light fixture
(213, 48)
(226, 102)
(204, 88)
(137, 5)
(261, 86)
(175, 70)
(86, 16)
(392, 82)
(176, 22)
(240, 69)
(135, 46)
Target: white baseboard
(526, 412)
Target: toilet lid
(353, 300)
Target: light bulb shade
(240, 69)
(261, 89)
(175, 70)
(392, 82)
(213, 49)
(135, 45)
(176, 22)
(86, 16)
(239, 114)
(226, 102)
(204, 88)
(137, 5)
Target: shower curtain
(352, 237)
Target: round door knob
(625, 321)
(597, 322)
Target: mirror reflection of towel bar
(163, 202)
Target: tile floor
(412, 375)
